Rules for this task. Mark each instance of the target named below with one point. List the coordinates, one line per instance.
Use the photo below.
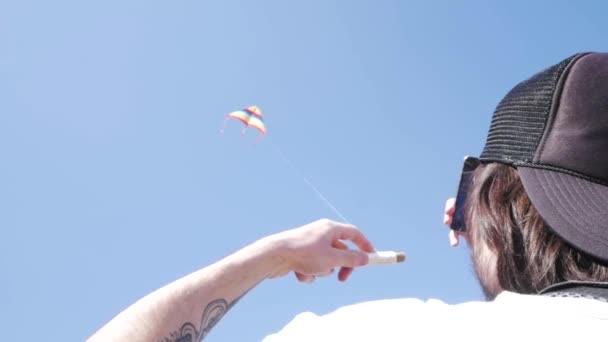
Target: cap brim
(576, 209)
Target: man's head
(537, 210)
(512, 247)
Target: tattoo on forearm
(213, 312)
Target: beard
(484, 266)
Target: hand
(317, 248)
(450, 208)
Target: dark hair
(513, 248)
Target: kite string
(309, 183)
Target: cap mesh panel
(520, 118)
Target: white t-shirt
(510, 317)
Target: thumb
(350, 258)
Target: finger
(339, 245)
(349, 258)
(349, 232)
(304, 278)
(454, 238)
(344, 273)
(450, 205)
(324, 274)
(450, 208)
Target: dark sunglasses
(468, 167)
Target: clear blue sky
(114, 179)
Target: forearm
(192, 305)
(188, 308)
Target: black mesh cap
(554, 128)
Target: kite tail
(224, 125)
(309, 183)
(258, 139)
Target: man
(535, 215)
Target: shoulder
(415, 319)
(381, 320)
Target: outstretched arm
(187, 309)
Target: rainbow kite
(250, 116)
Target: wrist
(272, 253)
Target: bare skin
(454, 236)
(188, 308)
